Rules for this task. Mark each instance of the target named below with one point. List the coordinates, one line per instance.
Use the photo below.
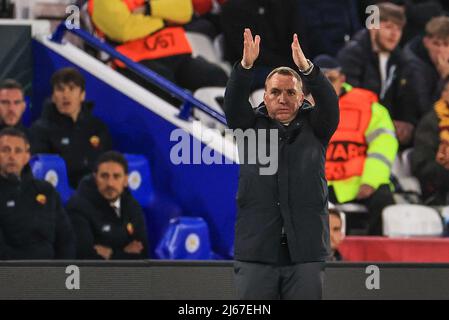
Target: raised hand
(443, 65)
(103, 251)
(298, 56)
(250, 48)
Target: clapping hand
(250, 48)
(298, 55)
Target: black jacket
(33, 223)
(271, 19)
(96, 223)
(433, 177)
(74, 141)
(428, 83)
(20, 127)
(296, 197)
(360, 64)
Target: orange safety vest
(169, 41)
(346, 153)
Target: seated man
(373, 60)
(68, 128)
(107, 220)
(33, 223)
(429, 57)
(150, 32)
(12, 105)
(362, 150)
(430, 156)
(336, 233)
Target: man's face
(14, 155)
(12, 106)
(336, 234)
(68, 99)
(387, 37)
(436, 47)
(283, 96)
(111, 180)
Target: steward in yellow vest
(363, 148)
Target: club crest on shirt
(106, 228)
(94, 141)
(41, 198)
(130, 228)
(10, 204)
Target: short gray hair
(285, 71)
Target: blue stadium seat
(139, 179)
(186, 238)
(51, 168)
(158, 208)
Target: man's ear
(126, 180)
(27, 156)
(83, 95)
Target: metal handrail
(189, 101)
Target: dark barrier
(16, 60)
(194, 280)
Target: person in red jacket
(150, 32)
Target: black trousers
(281, 281)
(381, 198)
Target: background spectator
(108, 221)
(362, 150)
(430, 157)
(373, 61)
(12, 105)
(67, 126)
(33, 223)
(149, 32)
(336, 233)
(428, 55)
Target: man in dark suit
(33, 223)
(282, 228)
(68, 127)
(107, 220)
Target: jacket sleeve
(325, 115)
(382, 148)
(140, 234)
(65, 238)
(114, 18)
(424, 166)
(238, 110)
(351, 60)
(421, 85)
(85, 240)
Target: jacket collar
(88, 190)
(363, 38)
(12, 180)
(51, 113)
